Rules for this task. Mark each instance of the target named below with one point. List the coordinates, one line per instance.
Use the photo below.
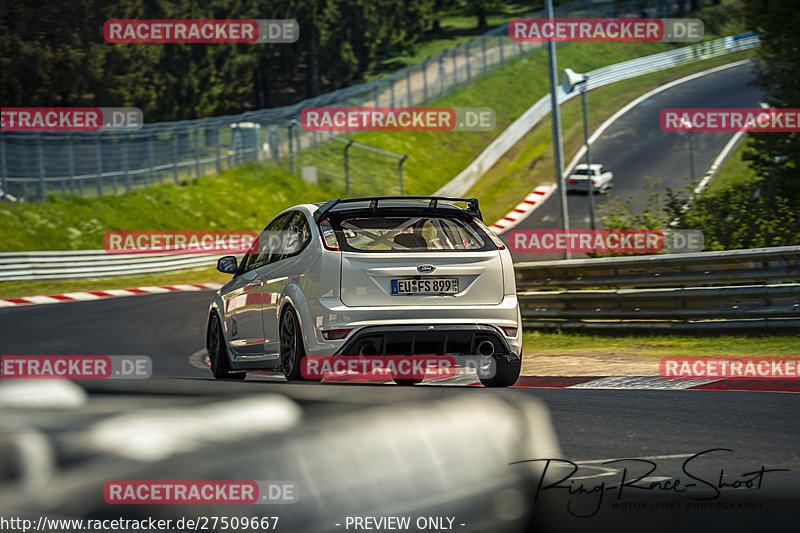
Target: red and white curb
(200, 360)
(658, 383)
(109, 293)
(524, 208)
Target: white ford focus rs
(404, 275)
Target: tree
(775, 156)
(481, 8)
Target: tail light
(489, 233)
(336, 334)
(594, 182)
(571, 182)
(510, 331)
(329, 240)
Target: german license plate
(425, 286)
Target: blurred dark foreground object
(351, 450)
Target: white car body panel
(349, 290)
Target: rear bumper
(324, 314)
(448, 339)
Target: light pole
(687, 130)
(569, 80)
(558, 146)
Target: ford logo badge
(426, 268)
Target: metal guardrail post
(466, 58)
(441, 73)
(175, 157)
(347, 167)
(126, 163)
(151, 159)
(40, 161)
(274, 143)
(98, 154)
(291, 125)
(454, 62)
(3, 164)
(63, 187)
(217, 151)
(408, 88)
(483, 50)
(71, 164)
(197, 152)
(425, 77)
(400, 173)
(500, 46)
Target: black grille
(416, 340)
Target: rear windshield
(584, 172)
(412, 234)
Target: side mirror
(227, 264)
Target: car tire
(506, 374)
(293, 352)
(217, 354)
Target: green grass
(733, 170)
(542, 343)
(243, 198)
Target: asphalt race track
(634, 147)
(591, 424)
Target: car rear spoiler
(472, 204)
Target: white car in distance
(399, 276)
(601, 178)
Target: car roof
(595, 166)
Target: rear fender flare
(294, 298)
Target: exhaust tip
(486, 348)
(368, 349)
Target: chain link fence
(32, 166)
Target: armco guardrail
(755, 288)
(76, 264)
(459, 185)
